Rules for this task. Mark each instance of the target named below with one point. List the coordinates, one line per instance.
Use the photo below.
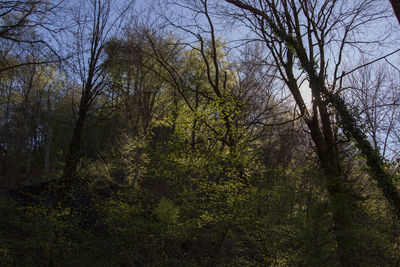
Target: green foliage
(34, 234)
(173, 173)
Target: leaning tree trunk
(352, 129)
(343, 206)
(348, 120)
(342, 203)
(374, 160)
(72, 159)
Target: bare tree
(375, 93)
(27, 25)
(302, 36)
(137, 81)
(228, 82)
(25, 123)
(96, 22)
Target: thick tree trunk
(343, 207)
(351, 127)
(341, 202)
(73, 156)
(374, 160)
(348, 121)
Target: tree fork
(348, 121)
(351, 128)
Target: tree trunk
(343, 207)
(374, 160)
(341, 202)
(74, 153)
(348, 120)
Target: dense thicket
(154, 139)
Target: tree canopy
(199, 133)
